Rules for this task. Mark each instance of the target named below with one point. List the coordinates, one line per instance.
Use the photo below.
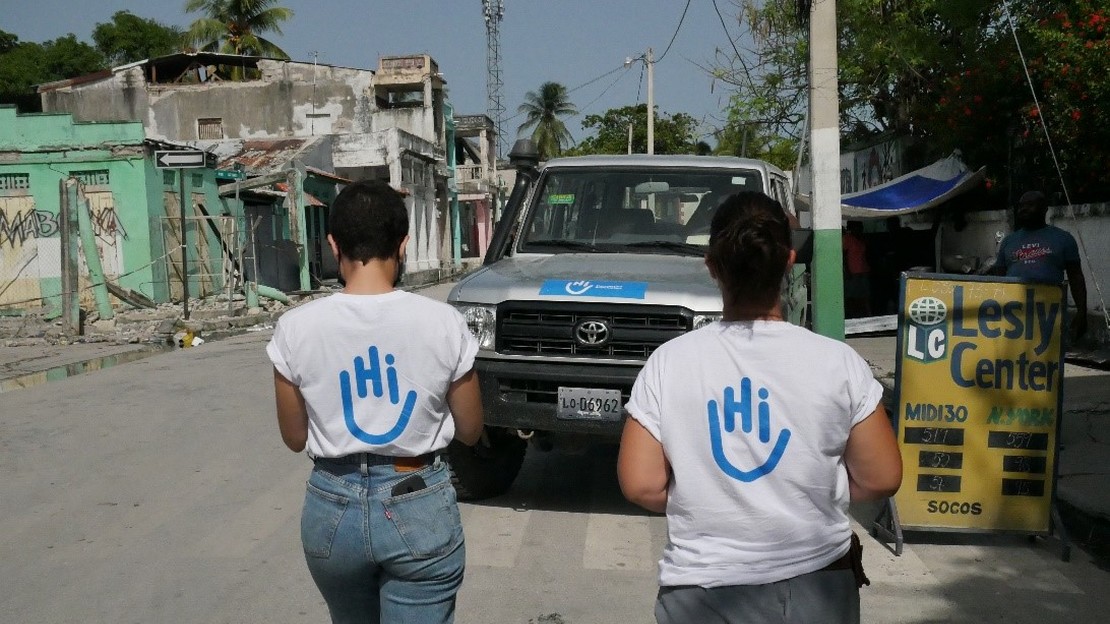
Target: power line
(739, 57)
(603, 92)
(590, 82)
(677, 28)
(583, 85)
(674, 36)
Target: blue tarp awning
(917, 190)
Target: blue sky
(566, 41)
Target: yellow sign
(980, 368)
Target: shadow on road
(581, 482)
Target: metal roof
(258, 156)
(327, 175)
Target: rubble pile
(211, 317)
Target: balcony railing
(471, 179)
(469, 173)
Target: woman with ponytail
(753, 435)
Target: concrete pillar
(828, 274)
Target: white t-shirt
(374, 371)
(753, 418)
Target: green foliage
(24, 65)
(7, 42)
(542, 111)
(674, 134)
(748, 141)
(237, 26)
(129, 38)
(946, 73)
(66, 57)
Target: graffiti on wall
(17, 227)
(106, 223)
(30, 245)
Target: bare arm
(465, 401)
(1078, 286)
(291, 413)
(642, 468)
(872, 457)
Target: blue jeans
(382, 558)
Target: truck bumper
(523, 395)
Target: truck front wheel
(489, 467)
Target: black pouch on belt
(855, 553)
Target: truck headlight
(701, 320)
(482, 322)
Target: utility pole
(649, 63)
(828, 274)
(651, 102)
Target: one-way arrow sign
(184, 159)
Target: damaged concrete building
(333, 123)
(60, 178)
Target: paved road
(159, 491)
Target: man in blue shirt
(1044, 253)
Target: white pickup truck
(597, 261)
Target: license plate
(589, 404)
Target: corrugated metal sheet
(259, 156)
(309, 198)
(327, 175)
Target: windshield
(629, 209)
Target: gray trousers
(823, 597)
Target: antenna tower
(494, 11)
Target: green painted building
(132, 204)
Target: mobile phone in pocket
(412, 483)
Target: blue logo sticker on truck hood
(594, 288)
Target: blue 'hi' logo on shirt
(728, 412)
(373, 374)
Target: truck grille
(550, 329)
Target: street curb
(1091, 531)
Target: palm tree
(543, 110)
(236, 26)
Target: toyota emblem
(591, 333)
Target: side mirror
(802, 240)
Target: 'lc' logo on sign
(927, 331)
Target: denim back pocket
(427, 520)
(319, 520)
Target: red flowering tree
(1069, 47)
(950, 75)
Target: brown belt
(409, 464)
